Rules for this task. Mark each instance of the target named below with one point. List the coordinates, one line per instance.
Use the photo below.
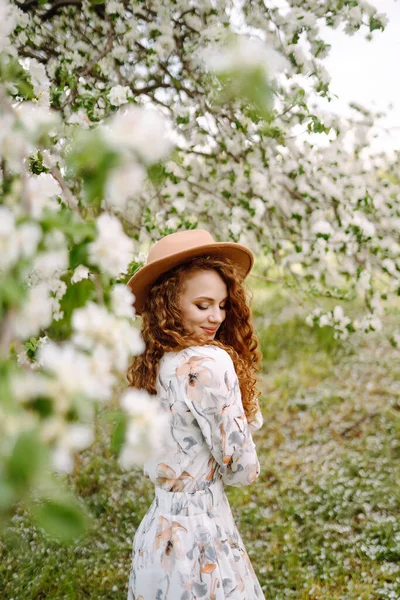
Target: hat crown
(179, 242)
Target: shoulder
(208, 365)
(208, 351)
(212, 357)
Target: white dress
(187, 546)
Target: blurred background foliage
(322, 521)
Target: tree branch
(56, 7)
(70, 199)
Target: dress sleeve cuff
(257, 422)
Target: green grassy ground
(321, 522)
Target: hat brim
(142, 281)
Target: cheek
(196, 316)
(191, 316)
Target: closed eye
(205, 307)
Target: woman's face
(203, 303)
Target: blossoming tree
(121, 122)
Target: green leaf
(66, 221)
(63, 519)
(118, 435)
(78, 255)
(36, 164)
(7, 371)
(76, 296)
(182, 120)
(7, 495)
(43, 405)
(157, 173)
(92, 159)
(28, 458)
(12, 72)
(375, 24)
(251, 87)
(12, 292)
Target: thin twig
(268, 279)
(70, 199)
(57, 5)
(6, 334)
(359, 421)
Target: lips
(209, 330)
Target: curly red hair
(162, 329)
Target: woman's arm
(211, 390)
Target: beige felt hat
(177, 248)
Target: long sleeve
(210, 386)
(258, 420)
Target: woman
(200, 360)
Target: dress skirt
(187, 547)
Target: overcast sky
(369, 72)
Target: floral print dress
(187, 546)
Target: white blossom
(246, 53)
(39, 79)
(235, 228)
(25, 361)
(114, 7)
(8, 22)
(172, 222)
(119, 95)
(29, 385)
(35, 117)
(390, 266)
(35, 313)
(48, 264)
(80, 118)
(141, 257)
(92, 324)
(74, 437)
(322, 227)
(77, 436)
(124, 183)
(61, 460)
(142, 130)
(355, 14)
(122, 300)
(144, 435)
(364, 281)
(77, 373)
(259, 207)
(28, 236)
(364, 224)
(80, 272)
(369, 322)
(325, 320)
(94, 327)
(9, 250)
(112, 250)
(179, 204)
(42, 191)
(13, 143)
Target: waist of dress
(190, 503)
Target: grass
(321, 522)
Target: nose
(216, 317)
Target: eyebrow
(210, 299)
